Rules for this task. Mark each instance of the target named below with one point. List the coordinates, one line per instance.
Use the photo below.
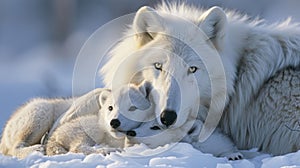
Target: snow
(170, 155)
(33, 66)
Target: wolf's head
(179, 55)
(173, 55)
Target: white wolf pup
(84, 132)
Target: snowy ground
(177, 155)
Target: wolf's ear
(104, 96)
(213, 23)
(146, 23)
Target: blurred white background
(40, 39)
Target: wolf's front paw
(234, 156)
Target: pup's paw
(107, 151)
(38, 148)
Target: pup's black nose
(131, 133)
(168, 117)
(115, 123)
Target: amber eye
(110, 108)
(132, 108)
(192, 69)
(158, 66)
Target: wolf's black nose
(131, 133)
(168, 117)
(115, 123)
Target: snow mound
(170, 155)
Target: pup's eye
(155, 128)
(158, 66)
(192, 69)
(132, 108)
(110, 108)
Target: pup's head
(126, 108)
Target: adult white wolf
(175, 47)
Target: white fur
(143, 121)
(82, 129)
(93, 128)
(272, 119)
(217, 144)
(136, 97)
(25, 128)
(251, 53)
(81, 135)
(31, 123)
(87, 104)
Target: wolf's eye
(158, 66)
(132, 108)
(110, 108)
(192, 69)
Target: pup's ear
(213, 23)
(147, 22)
(145, 88)
(142, 89)
(104, 96)
(138, 98)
